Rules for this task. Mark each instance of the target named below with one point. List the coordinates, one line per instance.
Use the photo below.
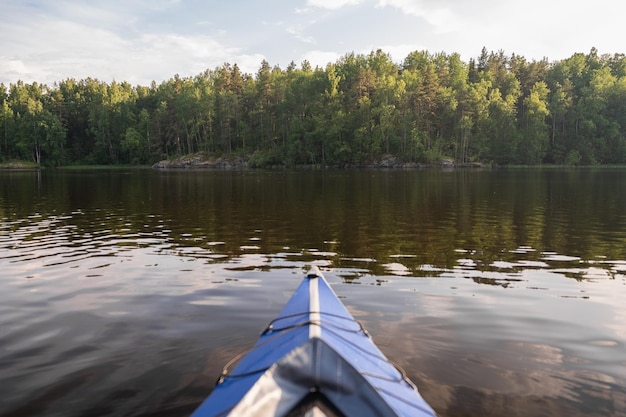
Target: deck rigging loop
(330, 328)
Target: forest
(495, 109)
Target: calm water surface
(123, 293)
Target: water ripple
(130, 305)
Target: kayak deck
(314, 359)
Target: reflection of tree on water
(162, 258)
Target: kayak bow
(314, 359)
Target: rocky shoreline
(199, 161)
(202, 161)
(17, 165)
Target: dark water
(501, 293)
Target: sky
(141, 41)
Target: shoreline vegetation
(201, 161)
(235, 162)
(360, 111)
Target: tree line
(496, 109)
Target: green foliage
(573, 158)
(431, 107)
(264, 159)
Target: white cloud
(142, 40)
(82, 44)
(14, 69)
(441, 18)
(55, 50)
(298, 33)
(332, 4)
(189, 55)
(105, 55)
(83, 12)
(161, 4)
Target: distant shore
(200, 161)
(237, 162)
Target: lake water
(501, 293)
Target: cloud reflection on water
(137, 302)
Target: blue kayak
(314, 360)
